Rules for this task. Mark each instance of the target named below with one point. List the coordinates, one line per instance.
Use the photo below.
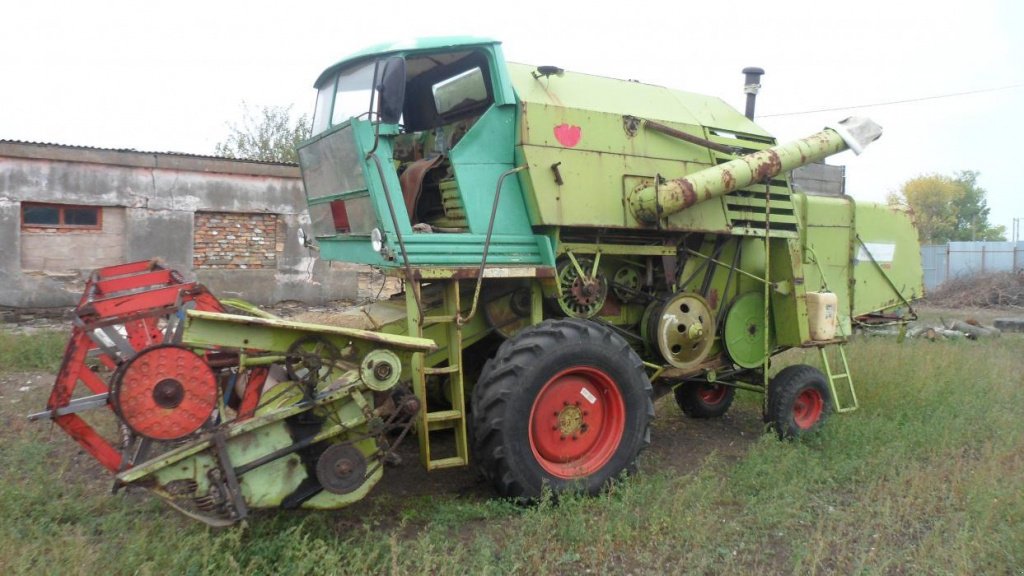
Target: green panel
(592, 186)
(572, 90)
(827, 248)
(595, 185)
(480, 157)
(604, 132)
(887, 234)
(789, 309)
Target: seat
(412, 181)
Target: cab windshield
(349, 91)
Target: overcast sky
(163, 76)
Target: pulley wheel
(744, 330)
(165, 392)
(341, 469)
(380, 370)
(626, 283)
(310, 360)
(581, 296)
(685, 331)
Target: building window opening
(35, 215)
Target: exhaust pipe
(751, 85)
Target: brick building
(66, 210)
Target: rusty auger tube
(667, 197)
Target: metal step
(453, 462)
(446, 319)
(444, 415)
(442, 370)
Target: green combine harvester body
(569, 246)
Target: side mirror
(391, 88)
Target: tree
(972, 211)
(267, 134)
(948, 208)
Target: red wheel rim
(711, 394)
(577, 422)
(807, 408)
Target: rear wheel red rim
(577, 422)
(711, 394)
(808, 407)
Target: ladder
(454, 418)
(840, 356)
(833, 376)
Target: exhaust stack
(751, 85)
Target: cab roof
(401, 46)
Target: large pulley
(341, 469)
(682, 329)
(165, 392)
(744, 332)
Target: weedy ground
(926, 478)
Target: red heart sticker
(568, 136)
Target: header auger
(570, 247)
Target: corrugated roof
(138, 159)
(148, 152)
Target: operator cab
(434, 100)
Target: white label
(830, 311)
(586, 394)
(881, 252)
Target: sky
(160, 76)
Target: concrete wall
(155, 197)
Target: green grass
(42, 350)
(926, 478)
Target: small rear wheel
(799, 401)
(703, 399)
(564, 404)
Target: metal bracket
(234, 490)
(76, 405)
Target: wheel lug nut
(554, 427)
(574, 437)
(563, 437)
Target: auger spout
(667, 197)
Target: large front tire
(564, 404)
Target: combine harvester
(569, 246)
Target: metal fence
(944, 261)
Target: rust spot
(689, 195)
(713, 298)
(771, 166)
(728, 181)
